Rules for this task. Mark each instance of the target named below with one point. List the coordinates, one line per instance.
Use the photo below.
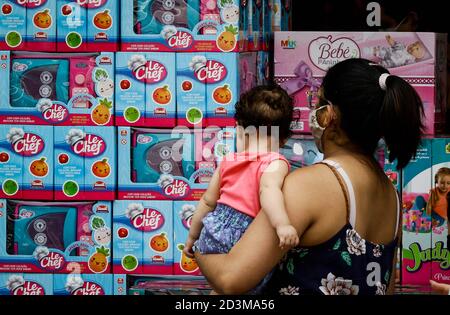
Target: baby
(248, 180)
(397, 54)
(438, 202)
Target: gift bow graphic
(303, 77)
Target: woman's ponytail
(401, 119)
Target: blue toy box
(85, 163)
(88, 25)
(51, 89)
(169, 164)
(146, 89)
(83, 284)
(26, 284)
(26, 162)
(179, 25)
(208, 88)
(28, 25)
(55, 237)
(143, 232)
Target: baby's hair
(443, 171)
(266, 105)
(371, 110)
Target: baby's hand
(187, 250)
(288, 236)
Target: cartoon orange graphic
(43, 19)
(103, 20)
(187, 264)
(39, 168)
(227, 39)
(101, 168)
(222, 95)
(159, 243)
(98, 262)
(101, 113)
(162, 95)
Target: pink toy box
(28, 25)
(26, 284)
(302, 58)
(179, 25)
(26, 162)
(55, 237)
(440, 267)
(50, 89)
(88, 25)
(85, 163)
(85, 284)
(182, 216)
(169, 164)
(143, 232)
(146, 89)
(416, 226)
(207, 89)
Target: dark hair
(369, 113)
(266, 105)
(443, 171)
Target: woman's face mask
(316, 129)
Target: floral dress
(346, 264)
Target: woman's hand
(440, 288)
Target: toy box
(88, 25)
(416, 223)
(255, 27)
(247, 71)
(50, 89)
(440, 267)
(191, 89)
(143, 233)
(41, 26)
(183, 212)
(169, 164)
(302, 59)
(85, 163)
(26, 162)
(85, 284)
(301, 151)
(146, 89)
(26, 284)
(55, 237)
(264, 68)
(179, 25)
(207, 87)
(13, 24)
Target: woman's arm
(257, 252)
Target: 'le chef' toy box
(26, 284)
(83, 284)
(302, 59)
(143, 232)
(26, 162)
(179, 25)
(85, 163)
(88, 25)
(55, 237)
(169, 164)
(55, 89)
(146, 89)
